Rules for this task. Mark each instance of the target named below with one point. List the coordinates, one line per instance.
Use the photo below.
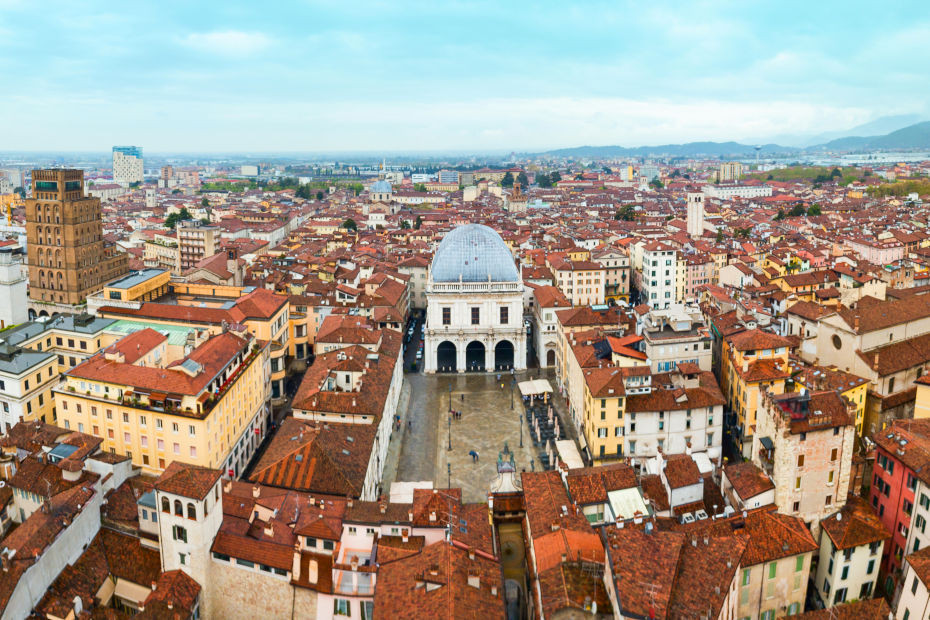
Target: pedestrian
(463, 397)
(476, 456)
(409, 425)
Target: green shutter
(799, 564)
(772, 567)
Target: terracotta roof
(187, 480)
(856, 524)
(319, 458)
(869, 609)
(757, 339)
(681, 471)
(748, 479)
(435, 584)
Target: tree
(627, 213)
(814, 210)
(797, 211)
(770, 178)
(21, 191)
(319, 195)
(507, 181)
(555, 177)
(656, 184)
(404, 225)
(779, 216)
(419, 187)
(521, 178)
(178, 216)
(175, 192)
(836, 172)
(719, 236)
(304, 191)
(543, 180)
(418, 223)
(350, 224)
(204, 202)
(205, 221)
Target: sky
(308, 76)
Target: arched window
(178, 508)
(191, 511)
(165, 505)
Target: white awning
(535, 387)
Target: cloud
(227, 42)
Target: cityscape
(331, 314)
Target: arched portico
(503, 355)
(475, 356)
(446, 357)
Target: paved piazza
(420, 453)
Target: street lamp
(449, 420)
(449, 474)
(512, 382)
(521, 431)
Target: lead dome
(475, 253)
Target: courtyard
(421, 451)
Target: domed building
(474, 305)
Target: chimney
(227, 487)
(473, 579)
(875, 362)
(856, 324)
(493, 590)
(269, 529)
(383, 507)
(295, 566)
(154, 586)
(312, 501)
(432, 516)
(5, 562)
(354, 562)
(170, 604)
(471, 553)
(78, 604)
(256, 490)
(405, 535)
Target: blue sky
(327, 76)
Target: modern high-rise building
(67, 257)
(127, 164)
(730, 171)
(196, 241)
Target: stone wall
(242, 592)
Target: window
(830, 478)
(174, 427)
(341, 607)
(829, 500)
(845, 573)
(179, 533)
(772, 568)
(165, 505)
(800, 460)
(797, 483)
(745, 576)
(447, 316)
(178, 508)
(191, 511)
(475, 316)
(839, 596)
(191, 430)
(871, 567)
(177, 448)
(193, 452)
(367, 609)
(505, 315)
(833, 453)
(799, 564)
(914, 586)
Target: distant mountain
(878, 127)
(690, 149)
(911, 137)
(915, 136)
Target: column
(460, 354)
(489, 354)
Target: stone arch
(446, 357)
(504, 355)
(550, 357)
(474, 356)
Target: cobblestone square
(420, 451)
